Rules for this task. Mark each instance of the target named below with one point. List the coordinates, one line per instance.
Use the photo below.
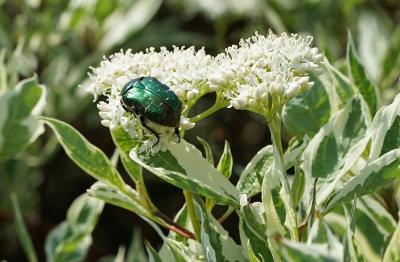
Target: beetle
(152, 100)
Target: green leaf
(152, 254)
(392, 252)
(341, 83)
(121, 25)
(386, 129)
(19, 108)
(306, 113)
(136, 251)
(183, 253)
(336, 148)
(181, 218)
(294, 151)
(298, 185)
(225, 163)
(349, 244)
(253, 231)
(183, 166)
(320, 233)
(70, 240)
(360, 79)
(383, 221)
(372, 26)
(373, 226)
(88, 157)
(125, 144)
(22, 232)
(391, 60)
(207, 150)
(375, 175)
(322, 245)
(115, 196)
(217, 245)
(250, 180)
(300, 252)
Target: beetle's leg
(157, 135)
(177, 134)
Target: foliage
(330, 194)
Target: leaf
(374, 225)
(294, 151)
(22, 232)
(385, 129)
(306, 113)
(320, 233)
(349, 244)
(207, 150)
(115, 196)
(391, 60)
(360, 79)
(342, 84)
(392, 252)
(70, 240)
(252, 176)
(217, 245)
(375, 175)
(152, 254)
(299, 252)
(119, 26)
(253, 231)
(136, 251)
(371, 27)
(124, 144)
(322, 245)
(88, 157)
(183, 253)
(19, 108)
(183, 166)
(298, 185)
(225, 163)
(336, 148)
(377, 214)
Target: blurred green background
(59, 40)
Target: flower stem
(219, 104)
(227, 213)
(274, 124)
(192, 213)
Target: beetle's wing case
(131, 84)
(154, 86)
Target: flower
(184, 70)
(264, 72)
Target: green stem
(192, 213)
(274, 124)
(219, 104)
(227, 213)
(22, 232)
(144, 195)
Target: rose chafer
(152, 100)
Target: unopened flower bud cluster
(261, 73)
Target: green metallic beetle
(151, 100)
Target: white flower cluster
(266, 71)
(260, 75)
(215, 9)
(184, 70)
